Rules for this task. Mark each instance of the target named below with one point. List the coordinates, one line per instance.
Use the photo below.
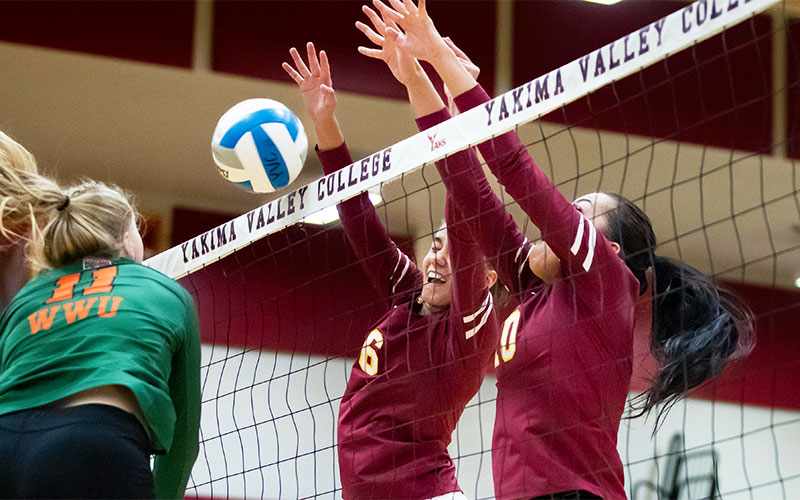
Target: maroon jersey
(415, 373)
(565, 356)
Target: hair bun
(64, 204)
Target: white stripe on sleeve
(400, 256)
(576, 245)
(519, 250)
(487, 309)
(486, 302)
(587, 263)
(525, 260)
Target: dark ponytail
(697, 327)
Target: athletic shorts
(87, 451)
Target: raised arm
(391, 272)
(571, 237)
(171, 471)
(471, 303)
(477, 206)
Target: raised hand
(419, 37)
(404, 67)
(314, 81)
(465, 61)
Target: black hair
(500, 293)
(697, 326)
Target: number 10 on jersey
(508, 339)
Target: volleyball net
(688, 117)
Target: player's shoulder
(154, 283)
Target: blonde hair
(13, 155)
(60, 225)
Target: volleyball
(260, 145)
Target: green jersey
(99, 322)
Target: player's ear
(615, 246)
(491, 278)
(127, 245)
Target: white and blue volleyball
(260, 145)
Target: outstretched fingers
(392, 34)
(294, 75)
(325, 68)
(375, 19)
(373, 53)
(409, 6)
(388, 13)
(302, 69)
(399, 6)
(313, 62)
(370, 33)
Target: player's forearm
(460, 172)
(503, 154)
(328, 133)
(171, 471)
(510, 162)
(362, 226)
(423, 96)
(451, 71)
(477, 203)
(467, 261)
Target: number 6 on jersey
(368, 360)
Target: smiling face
(543, 262)
(437, 272)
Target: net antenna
(505, 112)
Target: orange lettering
(81, 309)
(101, 311)
(102, 280)
(65, 285)
(43, 319)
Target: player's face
(543, 262)
(436, 271)
(132, 246)
(594, 206)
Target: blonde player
(99, 355)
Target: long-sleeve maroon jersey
(565, 356)
(415, 373)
